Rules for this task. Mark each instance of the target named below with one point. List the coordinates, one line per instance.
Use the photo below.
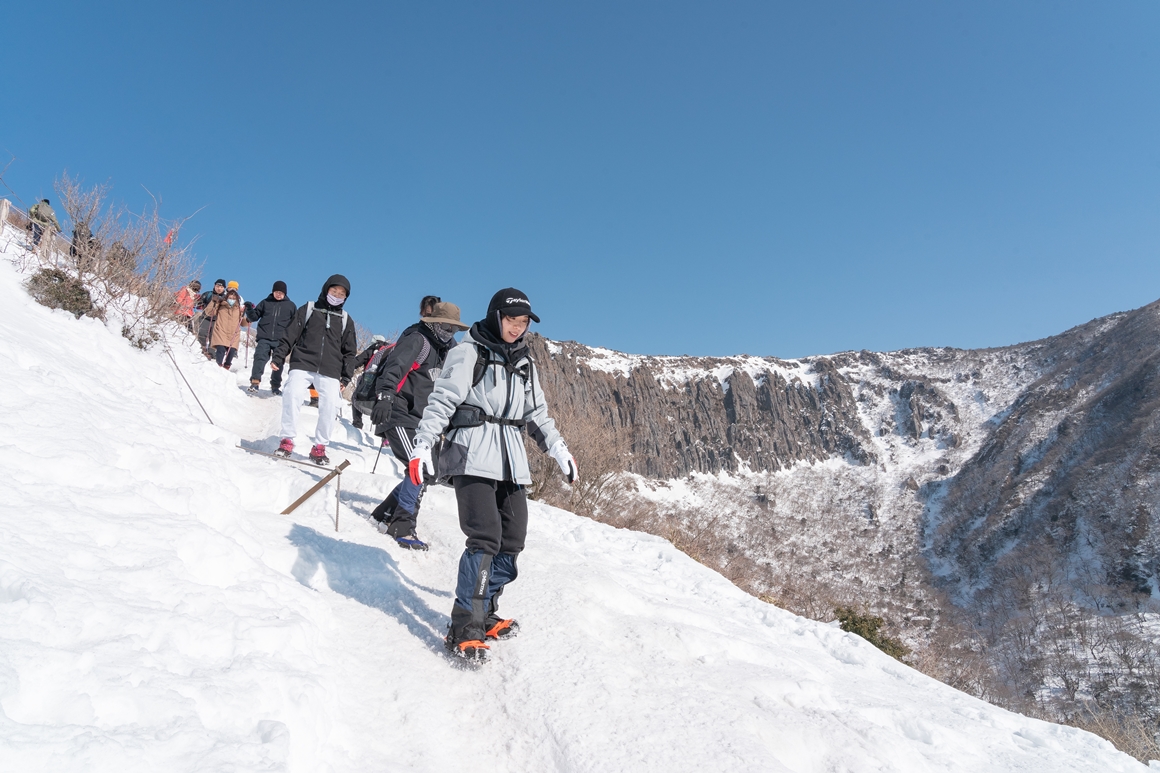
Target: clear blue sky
(705, 178)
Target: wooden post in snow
(5, 205)
(314, 489)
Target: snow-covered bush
(55, 289)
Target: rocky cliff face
(1049, 447)
(686, 414)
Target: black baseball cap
(511, 303)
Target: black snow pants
(400, 510)
(494, 517)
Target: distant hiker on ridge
(322, 345)
(273, 315)
(486, 394)
(41, 218)
(403, 385)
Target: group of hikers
(451, 412)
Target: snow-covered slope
(157, 613)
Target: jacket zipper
(322, 349)
(508, 473)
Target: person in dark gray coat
(273, 315)
(486, 394)
(403, 384)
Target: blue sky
(706, 178)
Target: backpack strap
(482, 360)
(426, 350)
(310, 310)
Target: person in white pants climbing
(322, 346)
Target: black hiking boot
(468, 649)
(411, 542)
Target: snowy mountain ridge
(158, 613)
(927, 419)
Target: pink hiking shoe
(286, 447)
(318, 455)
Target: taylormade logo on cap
(518, 300)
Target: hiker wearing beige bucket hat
(402, 386)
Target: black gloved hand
(343, 382)
(382, 412)
(248, 305)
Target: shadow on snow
(372, 577)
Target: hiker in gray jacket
(486, 394)
(41, 218)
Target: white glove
(563, 457)
(421, 467)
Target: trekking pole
(183, 378)
(379, 455)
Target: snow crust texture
(158, 613)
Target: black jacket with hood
(406, 381)
(320, 345)
(273, 317)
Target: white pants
(296, 390)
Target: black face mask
(442, 331)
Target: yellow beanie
(232, 286)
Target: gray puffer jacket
(490, 450)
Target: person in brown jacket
(227, 325)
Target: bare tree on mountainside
(132, 263)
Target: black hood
(511, 353)
(336, 279)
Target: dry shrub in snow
(55, 289)
(1129, 733)
(599, 454)
(131, 264)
